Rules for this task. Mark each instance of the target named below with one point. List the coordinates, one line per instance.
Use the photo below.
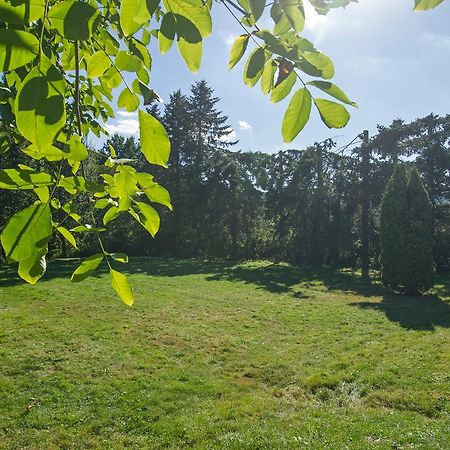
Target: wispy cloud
(123, 126)
(437, 40)
(127, 114)
(245, 126)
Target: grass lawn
(215, 355)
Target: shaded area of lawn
(221, 355)
(420, 313)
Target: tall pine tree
(394, 229)
(419, 276)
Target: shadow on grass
(419, 313)
(414, 313)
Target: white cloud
(127, 114)
(245, 126)
(436, 40)
(231, 136)
(123, 126)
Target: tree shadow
(283, 278)
(418, 313)
(414, 313)
(165, 267)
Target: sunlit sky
(394, 63)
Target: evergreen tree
(394, 229)
(419, 275)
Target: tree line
(300, 205)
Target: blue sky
(394, 63)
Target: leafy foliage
(406, 234)
(61, 61)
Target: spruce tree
(419, 276)
(394, 229)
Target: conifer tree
(419, 276)
(394, 229)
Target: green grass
(215, 355)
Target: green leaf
(75, 150)
(31, 269)
(423, 5)
(257, 8)
(154, 191)
(267, 77)
(14, 179)
(254, 67)
(17, 48)
(133, 14)
(189, 43)
(87, 267)
(333, 90)
(238, 49)
(21, 11)
(321, 65)
(43, 194)
(127, 62)
(148, 217)
(128, 100)
(110, 215)
(39, 106)
(122, 286)
(98, 64)
(75, 20)
(282, 90)
(27, 232)
(297, 114)
(155, 144)
(195, 11)
(68, 236)
(167, 32)
(120, 257)
(295, 14)
(333, 114)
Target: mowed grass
(216, 355)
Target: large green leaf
(423, 5)
(238, 49)
(98, 64)
(21, 11)
(122, 286)
(254, 67)
(31, 269)
(22, 178)
(295, 13)
(317, 64)
(167, 32)
(17, 48)
(155, 144)
(333, 114)
(127, 62)
(282, 90)
(257, 8)
(128, 100)
(68, 236)
(189, 42)
(87, 267)
(27, 232)
(149, 218)
(73, 19)
(154, 191)
(133, 14)
(195, 11)
(297, 114)
(39, 106)
(333, 90)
